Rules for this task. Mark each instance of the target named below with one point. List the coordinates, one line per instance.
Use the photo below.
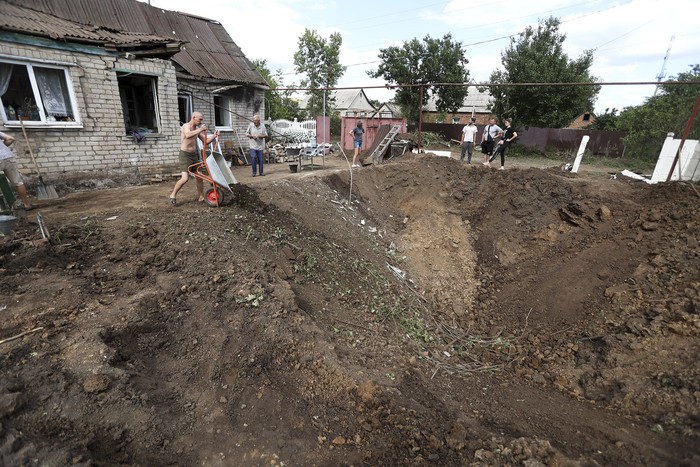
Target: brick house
(102, 85)
(582, 121)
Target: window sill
(47, 126)
(223, 128)
(146, 136)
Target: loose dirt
(446, 314)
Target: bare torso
(188, 144)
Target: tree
(319, 60)
(536, 56)
(666, 112)
(609, 121)
(428, 63)
(278, 104)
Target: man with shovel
(8, 165)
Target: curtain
(5, 76)
(52, 87)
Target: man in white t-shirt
(467, 140)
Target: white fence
(294, 131)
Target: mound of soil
(421, 312)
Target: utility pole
(662, 73)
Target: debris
(22, 334)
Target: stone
(96, 383)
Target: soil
(445, 314)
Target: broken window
(184, 105)
(222, 114)
(139, 103)
(37, 94)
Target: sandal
(173, 201)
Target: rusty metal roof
(208, 52)
(15, 18)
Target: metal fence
(604, 143)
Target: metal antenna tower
(662, 73)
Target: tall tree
(428, 63)
(537, 56)
(666, 112)
(278, 104)
(319, 60)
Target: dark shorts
(487, 147)
(187, 159)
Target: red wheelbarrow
(214, 169)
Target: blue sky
(630, 37)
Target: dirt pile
(446, 314)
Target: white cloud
(631, 36)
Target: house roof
(208, 50)
(346, 99)
(15, 18)
(475, 101)
(394, 109)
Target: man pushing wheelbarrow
(189, 133)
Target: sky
(633, 40)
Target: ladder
(378, 154)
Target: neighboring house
(347, 102)
(583, 120)
(102, 85)
(387, 110)
(476, 104)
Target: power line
(469, 84)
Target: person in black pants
(488, 139)
(509, 136)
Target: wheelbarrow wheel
(211, 196)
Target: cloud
(630, 36)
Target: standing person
(488, 139)
(189, 133)
(357, 133)
(257, 133)
(8, 165)
(509, 136)
(467, 140)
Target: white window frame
(227, 101)
(37, 97)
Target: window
(139, 103)
(184, 105)
(222, 116)
(455, 120)
(37, 94)
(586, 117)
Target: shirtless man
(189, 133)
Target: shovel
(43, 191)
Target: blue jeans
(256, 160)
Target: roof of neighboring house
(208, 51)
(475, 101)
(395, 109)
(346, 99)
